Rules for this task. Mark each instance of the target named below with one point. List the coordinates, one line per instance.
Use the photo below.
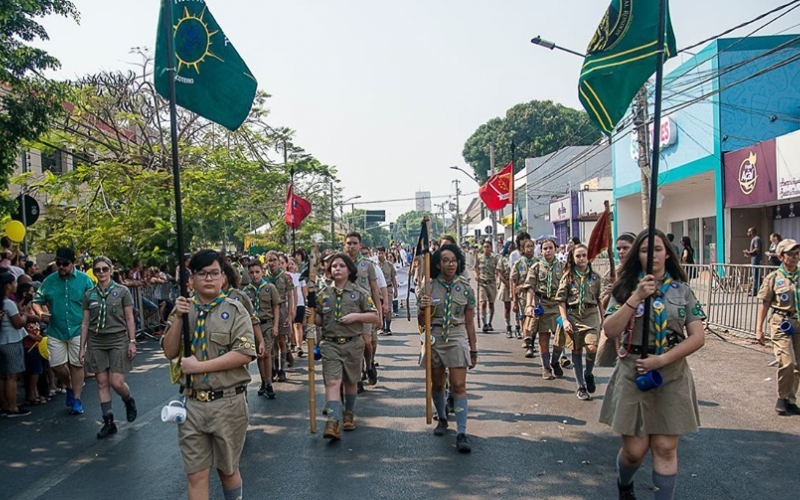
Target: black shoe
(130, 410)
(583, 394)
(449, 406)
(590, 385)
(557, 371)
(299, 353)
(485, 328)
(109, 428)
(360, 387)
(489, 327)
(462, 444)
(529, 347)
(626, 492)
(281, 376)
(262, 391)
(387, 332)
(518, 334)
(289, 359)
(793, 409)
(441, 428)
(509, 333)
(782, 407)
(372, 376)
(270, 392)
(565, 362)
(529, 352)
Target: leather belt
(339, 340)
(206, 396)
(637, 349)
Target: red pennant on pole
(297, 209)
(498, 190)
(601, 238)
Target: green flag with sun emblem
(620, 58)
(211, 80)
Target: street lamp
(352, 206)
(550, 45)
(474, 178)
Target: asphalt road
(531, 438)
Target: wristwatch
(132, 341)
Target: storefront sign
(668, 134)
(561, 209)
(787, 149)
(750, 175)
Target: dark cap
(66, 254)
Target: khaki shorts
(213, 434)
(585, 328)
(284, 313)
(62, 351)
(342, 361)
(114, 359)
(269, 340)
(487, 293)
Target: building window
(52, 161)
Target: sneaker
(281, 376)
(529, 352)
(70, 398)
(590, 385)
(441, 428)
(449, 406)
(77, 408)
(547, 374)
(782, 407)
(21, 412)
(462, 444)
(361, 389)
(626, 492)
(557, 370)
(489, 327)
(388, 333)
(349, 421)
(518, 333)
(299, 352)
(270, 392)
(793, 409)
(130, 410)
(583, 394)
(372, 376)
(509, 333)
(565, 362)
(262, 391)
(485, 328)
(333, 429)
(109, 428)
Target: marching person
(503, 276)
(781, 292)
(652, 420)
(286, 294)
(519, 288)
(390, 273)
(108, 342)
(223, 344)
(486, 272)
(579, 305)
(454, 346)
(346, 308)
(542, 283)
(230, 287)
(606, 349)
(266, 306)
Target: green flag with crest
(211, 80)
(620, 58)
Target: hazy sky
(389, 91)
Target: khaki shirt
(519, 272)
(463, 298)
(116, 302)
(607, 285)
(537, 278)
(354, 300)
(228, 328)
(778, 290)
(502, 268)
(240, 296)
(267, 297)
(568, 290)
(389, 272)
(283, 283)
(682, 308)
(365, 273)
(487, 269)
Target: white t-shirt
(381, 277)
(9, 334)
(298, 286)
(513, 258)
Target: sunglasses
(102, 269)
(63, 263)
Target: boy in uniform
(287, 298)
(223, 344)
(266, 304)
(486, 271)
(390, 274)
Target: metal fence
(149, 302)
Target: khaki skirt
(108, 352)
(669, 410)
(546, 323)
(451, 354)
(505, 293)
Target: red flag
(498, 190)
(601, 236)
(297, 209)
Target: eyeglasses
(447, 262)
(793, 255)
(63, 263)
(204, 275)
(101, 270)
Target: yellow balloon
(43, 351)
(15, 231)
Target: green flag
(212, 80)
(620, 58)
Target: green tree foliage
(408, 225)
(28, 101)
(372, 235)
(537, 128)
(118, 199)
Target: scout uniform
(487, 278)
(366, 273)
(519, 274)
(672, 408)
(504, 272)
(543, 279)
(213, 434)
(264, 296)
(107, 345)
(781, 290)
(284, 284)
(582, 297)
(389, 272)
(240, 296)
(450, 343)
(607, 349)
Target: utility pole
(333, 230)
(493, 213)
(640, 119)
(458, 212)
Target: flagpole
(428, 362)
(176, 172)
(291, 183)
(513, 195)
(651, 227)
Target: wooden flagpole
(311, 336)
(428, 365)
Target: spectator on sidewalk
(772, 253)
(12, 354)
(755, 254)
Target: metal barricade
(147, 301)
(728, 294)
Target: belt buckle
(341, 340)
(202, 396)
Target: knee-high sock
(335, 409)
(590, 357)
(577, 367)
(624, 473)
(556, 354)
(234, 494)
(460, 405)
(665, 486)
(283, 361)
(350, 402)
(438, 402)
(546, 360)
